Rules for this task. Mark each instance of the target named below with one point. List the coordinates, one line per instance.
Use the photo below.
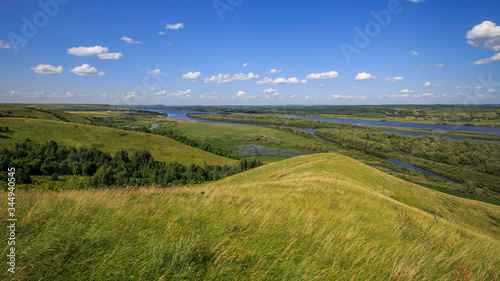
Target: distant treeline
(444, 112)
(272, 120)
(123, 169)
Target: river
(181, 115)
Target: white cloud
(324, 75)
(130, 40)
(4, 45)
(429, 84)
(131, 95)
(161, 33)
(406, 91)
(270, 90)
(69, 94)
(246, 64)
(110, 56)
(47, 69)
(416, 1)
(175, 26)
(101, 52)
(161, 93)
(403, 95)
(227, 78)
(487, 33)
(87, 51)
(364, 76)
(274, 70)
(413, 53)
(394, 79)
(292, 80)
(240, 93)
(427, 95)
(191, 75)
(154, 71)
(340, 97)
(179, 94)
(495, 57)
(86, 70)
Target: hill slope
(315, 217)
(106, 139)
(40, 112)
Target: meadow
(316, 217)
(109, 140)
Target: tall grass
(318, 217)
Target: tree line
(188, 141)
(123, 169)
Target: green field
(38, 112)
(106, 139)
(228, 137)
(317, 217)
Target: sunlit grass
(318, 217)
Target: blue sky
(242, 52)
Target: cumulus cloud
(110, 56)
(130, 40)
(486, 35)
(292, 80)
(274, 70)
(175, 26)
(429, 84)
(154, 71)
(228, 78)
(161, 93)
(101, 52)
(240, 93)
(406, 91)
(269, 91)
(86, 70)
(47, 69)
(246, 64)
(495, 57)
(87, 51)
(184, 94)
(340, 97)
(364, 76)
(413, 53)
(161, 33)
(4, 45)
(191, 75)
(394, 79)
(324, 75)
(416, 1)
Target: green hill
(104, 138)
(315, 217)
(39, 112)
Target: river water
(181, 115)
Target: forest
(123, 169)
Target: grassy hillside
(106, 139)
(316, 217)
(38, 112)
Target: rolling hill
(315, 217)
(104, 138)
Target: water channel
(251, 150)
